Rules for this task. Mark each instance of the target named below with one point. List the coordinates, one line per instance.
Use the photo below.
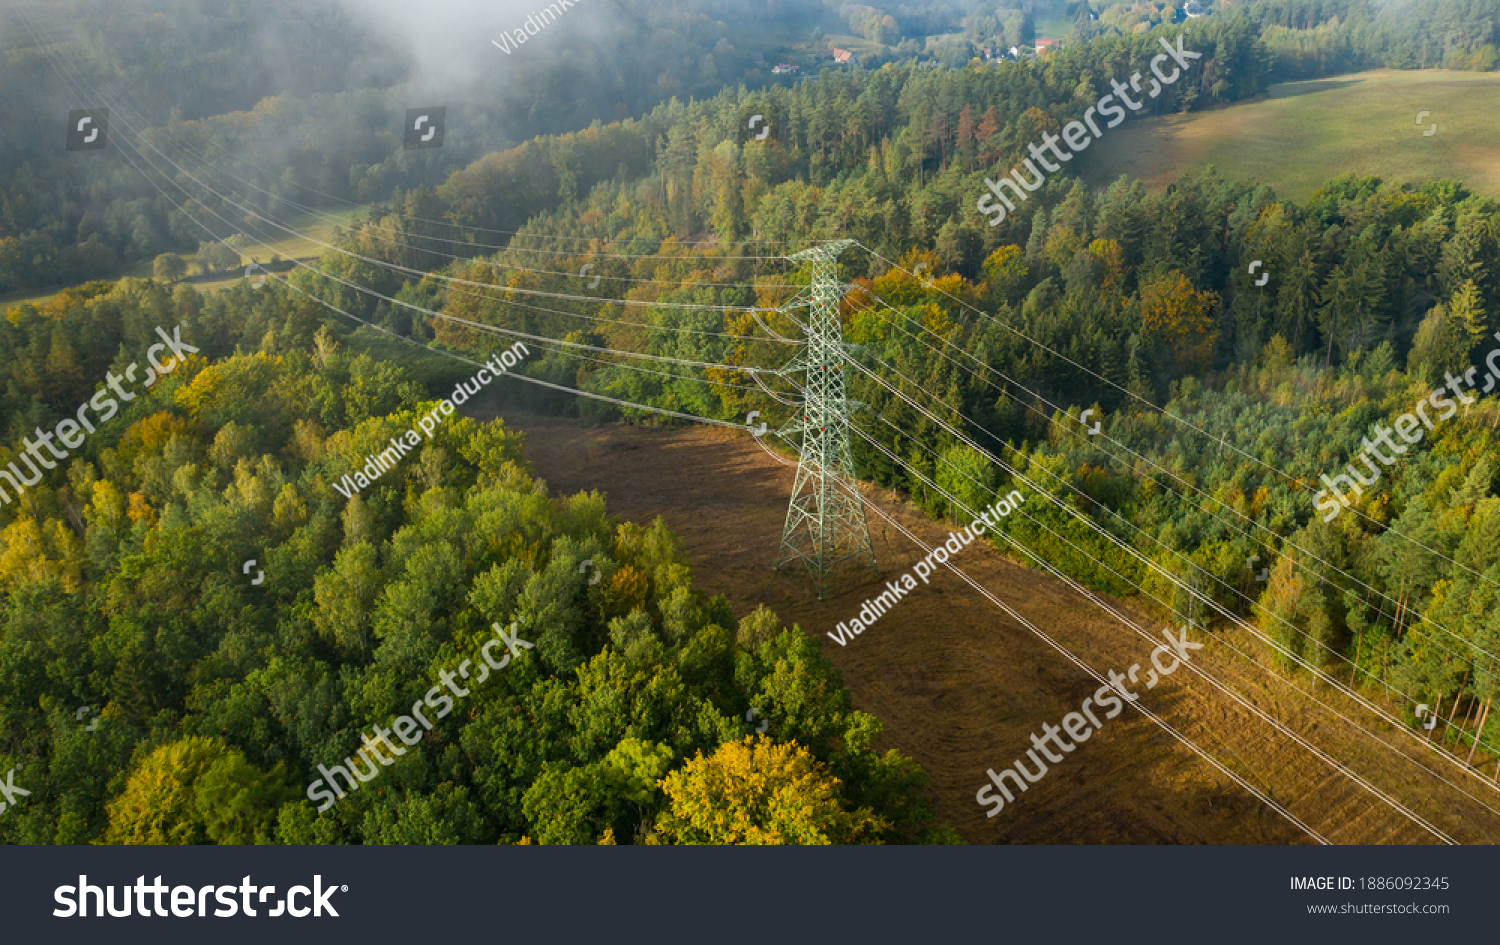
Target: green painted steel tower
(825, 521)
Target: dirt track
(961, 688)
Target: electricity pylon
(825, 521)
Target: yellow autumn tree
(201, 391)
(1034, 123)
(628, 589)
(197, 790)
(148, 437)
(32, 552)
(107, 507)
(908, 282)
(1177, 315)
(1005, 273)
(935, 320)
(757, 791)
(1113, 257)
(140, 510)
(289, 510)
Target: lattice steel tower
(825, 521)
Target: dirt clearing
(961, 688)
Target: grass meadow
(1302, 134)
(314, 226)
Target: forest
(211, 697)
(307, 112)
(1142, 306)
(1223, 400)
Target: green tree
(169, 267)
(968, 477)
(346, 597)
(1448, 336)
(567, 805)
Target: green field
(1304, 133)
(318, 227)
(1053, 27)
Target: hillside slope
(1297, 135)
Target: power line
(1101, 679)
(1279, 726)
(326, 304)
(478, 229)
(478, 325)
(995, 493)
(1105, 437)
(1189, 485)
(1194, 592)
(1164, 412)
(824, 526)
(549, 341)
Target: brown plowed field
(960, 687)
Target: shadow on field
(1294, 89)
